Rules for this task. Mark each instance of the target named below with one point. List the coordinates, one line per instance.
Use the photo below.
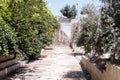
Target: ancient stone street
(57, 64)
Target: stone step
(7, 63)
(9, 69)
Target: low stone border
(9, 69)
(7, 63)
(111, 72)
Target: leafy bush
(7, 39)
(32, 25)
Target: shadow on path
(48, 48)
(77, 54)
(74, 75)
(21, 71)
(41, 57)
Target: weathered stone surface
(60, 65)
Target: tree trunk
(112, 57)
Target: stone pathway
(59, 64)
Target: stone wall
(111, 73)
(8, 64)
(74, 30)
(60, 38)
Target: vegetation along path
(58, 64)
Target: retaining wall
(111, 73)
(8, 64)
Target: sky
(56, 5)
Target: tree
(89, 27)
(101, 32)
(69, 12)
(110, 22)
(32, 22)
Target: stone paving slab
(59, 65)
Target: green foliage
(110, 23)
(89, 29)
(7, 34)
(32, 22)
(88, 9)
(7, 40)
(69, 12)
(100, 31)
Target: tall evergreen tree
(69, 12)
